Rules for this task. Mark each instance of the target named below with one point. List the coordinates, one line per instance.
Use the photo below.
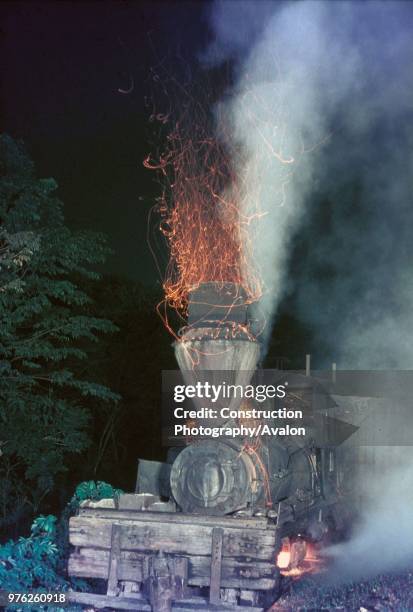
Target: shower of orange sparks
(210, 208)
(207, 232)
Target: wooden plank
(114, 559)
(101, 503)
(160, 583)
(182, 539)
(94, 563)
(132, 501)
(200, 603)
(104, 601)
(129, 588)
(125, 603)
(179, 517)
(216, 563)
(180, 565)
(248, 598)
(234, 573)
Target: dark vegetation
(80, 354)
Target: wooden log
(168, 506)
(248, 598)
(230, 596)
(200, 603)
(140, 501)
(130, 502)
(129, 588)
(125, 603)
(182, 518)
(98, 504)
(234, 573)
(186, 539)
(216, 565)
(114, 559)
(94, 563)
(180, 565)
(160, 584)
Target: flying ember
(208, 232)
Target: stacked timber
(158, 559)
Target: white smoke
(289, 84)
(320, 73)
(306, 70)
(383, 538)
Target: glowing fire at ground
(283, 559)
(298, 558)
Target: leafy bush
(38, 563)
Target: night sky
(62, 66)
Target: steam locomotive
(204, 530)
(217, 477)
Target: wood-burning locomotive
(203, 530)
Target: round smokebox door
(212, 478)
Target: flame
(295, 565)
(283, 559)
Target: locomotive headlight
(212, 477)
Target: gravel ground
(380, 594)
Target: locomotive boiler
(203, 530)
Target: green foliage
(46, 332)
(31, 562)
(95, 491)
(38, 563)
(85, 490)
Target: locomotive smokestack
(218, 337)
(217, 322)
(217, 305)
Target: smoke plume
(319, 116)
(321, 119)
(383, 538)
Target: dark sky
(62, 65)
